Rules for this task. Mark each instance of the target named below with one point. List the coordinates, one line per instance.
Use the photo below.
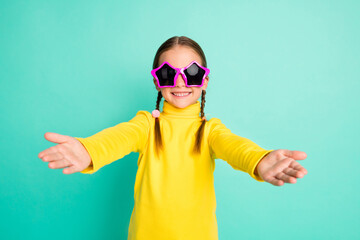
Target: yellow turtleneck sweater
(174, 192)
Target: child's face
(181, 56)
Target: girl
(174, 187)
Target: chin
(180, 102)
(181, 105)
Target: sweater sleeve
(241, 153)
(115, 142)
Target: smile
(181, 94)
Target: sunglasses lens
(166, 75)
(194, 74)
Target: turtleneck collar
(191, 111)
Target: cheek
(197, 92)
(165, 91)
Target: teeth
(181, 94)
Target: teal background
(284, 74)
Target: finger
(48, 151)
(52, 157)
(276, 182)
(70, 170)
(286, 178)
(297, 166)
(294, 173)
(56, 138)
(297, 155)
(59, 164)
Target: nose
(180, 82)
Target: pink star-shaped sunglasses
(193, 74)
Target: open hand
(280, 166)
(69, 153)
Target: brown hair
(167, 45)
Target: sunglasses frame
(180, 71)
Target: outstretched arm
(88, 155)
(280, 166)
(241, 153)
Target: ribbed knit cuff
(93, 167)
(261, 156)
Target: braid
(158, 140)
(200, 132)
(159, 96)
(202, 103)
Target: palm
(69, 154)
(280, 166)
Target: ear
(206, 81)
(156, 85)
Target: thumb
(297, 155)
(56, 138)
